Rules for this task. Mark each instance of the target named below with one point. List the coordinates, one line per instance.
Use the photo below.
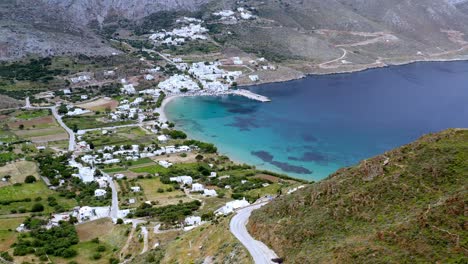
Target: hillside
(52, 27)
(408, 205)
(311, 36)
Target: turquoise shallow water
(319, 124)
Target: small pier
(251, 95)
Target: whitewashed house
(162, 138)
(119, 176)
(102, 182)
(185, 180)
(100, 192)
(135, 189)
(231, 206)
(192, 221)
(254, 78)
(85, 213)
(210, 193)
(197, 187)
(164, 163)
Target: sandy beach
(162, 110)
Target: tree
(97, 173)
(21, 126)
(30, 179)
(102, 248)
(199, 157)
(69, 253)
(37, 207)
(91, 145)
(120, 221)
(62, 109)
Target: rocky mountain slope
(408, 205)
(346, 35)
(313, 36)
(56, 27)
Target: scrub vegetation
(405, 206)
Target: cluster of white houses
(127, 110)
(115, 154)
(193, 31)
(206, 75)
(232, 17)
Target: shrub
(97, 256)
(37, 207)
(30, 179)
(69, 253)
(101, 248)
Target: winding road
(144, 232)
(71, 134)
(114, 211)
(260, 253)
(72, 141)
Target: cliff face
(406, 206)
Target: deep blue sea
(319, 124)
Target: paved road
(72, 141)
(71, 134)
(144, 232)
(114, 212)
(260, 253)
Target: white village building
(135, 189)
(192, 221)
(185, 180)
(208, 192)
(177, 82)
(231, 206)
(197, 187)
(100, 192)
(164, 163)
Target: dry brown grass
(33, 122)
(100, 104)
(18, 171)
(176, 158)
(93, 229)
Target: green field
(7, 231)
(121, 136)
(26, 115)
(91, 121)
(31, 191)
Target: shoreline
(169, 98)
(356, 69)
(163, 109)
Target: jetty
(250, 95)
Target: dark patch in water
(310, 156)
(291, 168)
(244, 123)
(284, 166)
(263, 155)
(309, 138)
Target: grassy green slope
(411, 210)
